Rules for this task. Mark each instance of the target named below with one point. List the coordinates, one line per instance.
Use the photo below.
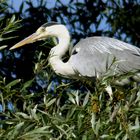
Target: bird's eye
(40, 30)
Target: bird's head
(46, 30)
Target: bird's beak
(30, 39)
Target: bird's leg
(109, 91)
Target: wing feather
(96, 54)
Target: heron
(91, 57)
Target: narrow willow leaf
(77, 97)
(93, 121)
(12, 19)
(39, 131)
(72, 99)
(98, 125)
(1, 39)
(84, 137)
(25, 116)
(2, 103)
(86, 99)
(36, 67)
(34, 114)
(136, 126)
(80, 121)
(50, 102)
(61, 129)
(3, 47)
(104, 136)
(30, 127)
(49, 87)
(13, 83)
(26, 85)
(9, 122)
(138, 97)
(40, 55)
(137, 123)
(71, 112)
(136, 110)
(16, 131)
(125, 137)
(118, 135)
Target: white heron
(91, 57)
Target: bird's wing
(94, 56)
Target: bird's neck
(56, 54)
(61, 48)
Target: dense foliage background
(37, 104)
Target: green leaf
(12, 19)
(13, 134)
(2, 103)
(49, 103)
(26, 85)
(77, 97)
(36, 133)
(86, 99)
(34, 114)
(13, 83)
(93, 121)
(25, 116)
(3, 47)
(71, 98)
